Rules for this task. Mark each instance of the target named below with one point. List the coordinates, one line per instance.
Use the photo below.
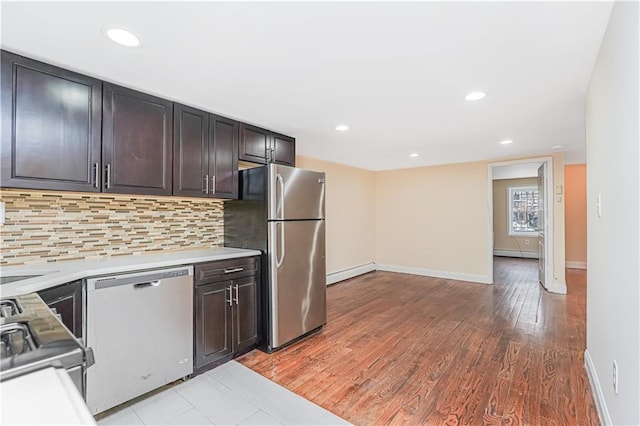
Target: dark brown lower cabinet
(66, 301)
(226, 316)
(213, 324)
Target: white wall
(613, 252)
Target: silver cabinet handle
(213, 184)
(230, 300)
(108, 176)
(55, 312)
(96, 175)
(236, 298)
(230, 271)
(267, 155)
(206, 184)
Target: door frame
(548, 210)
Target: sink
(6, 279)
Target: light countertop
(45, 396)
(53, 274)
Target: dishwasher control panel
(139, 277)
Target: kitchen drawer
(223, 270)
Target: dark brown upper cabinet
(137, 142)
(284, 149)
(50, 127)
(254, 143)
(191, 152)
(66, 131)
(263, 146)
(223, 156)
(205, 154)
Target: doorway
(543, 241)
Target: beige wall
(501, 238)
(444, 210)
(575, 182)
(441, 210)
(350, 212)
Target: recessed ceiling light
(506, 142)
(342, 127)
(123, 37)
(475, 96)
(414, 155)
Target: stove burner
(15, 339)
(9, 308)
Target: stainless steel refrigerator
(280, 211)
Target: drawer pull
(231, 271)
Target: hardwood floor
(405, 349)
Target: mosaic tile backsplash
(42, 226)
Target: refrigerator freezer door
(297, 281)
(295, 194)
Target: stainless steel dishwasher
(140, 326)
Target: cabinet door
(67, 301)
(213, 338)
(284, 150)
(245, 318)
(50, 127)
(137, 136)
(223, 158)
(191, 152)
(254, 143)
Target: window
(522, 212)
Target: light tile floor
(230, 394)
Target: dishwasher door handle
(140, 286)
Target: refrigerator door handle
(280, 261)
(280, 180)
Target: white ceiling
(396, 73)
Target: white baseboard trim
(575, 265)
(598, 395)
(557, 287)
(516, 253)
(482, 279)
(345, 274)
